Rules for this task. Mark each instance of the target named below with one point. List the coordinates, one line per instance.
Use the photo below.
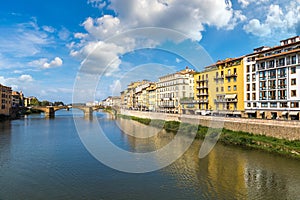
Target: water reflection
(44, 159)
(227, 172)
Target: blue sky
(46, 46)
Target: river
(45, 159)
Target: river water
(45, 159)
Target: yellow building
(152, 99)
(234, 85)
(205, 89)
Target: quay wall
(289, 130)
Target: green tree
(58, 103)
(35, 102)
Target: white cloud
(17, 83)
(23, 40)
(189, 18)
(45, 64)
(48, 29)
(246, 3)
(64, 34)
(56, 62)
(280, 20)
(178, 60)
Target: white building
(172, 88)
(276, 85)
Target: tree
(58, 103)
(34, 102)
(46, 103)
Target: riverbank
(229, 137)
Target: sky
(91, 49)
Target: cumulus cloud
(56, 62)
(189, 18)
(279, 20)
(45, 64)
(17, 83)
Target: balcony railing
(201, 81)
(220, 100)
(202, 87)
(202, 94)
(219, 78)
(231, 75)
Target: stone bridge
(50, 110)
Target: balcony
(220, 101)
(201, 94)
(281, 75)
(281, 86)
(202, 87)
(201, 81)
(231, 75)
(219, 78)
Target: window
(283, 105)
(293, 59)
(264, 105)
(248, 68)
(271, 64)
(293, 93)
(253, 68)
(248, 104)
(229, 72)
(229, 88)
(248, 97)
(272, 74)
(293, 70)
(248, 78)
(282, 73)
(234, 79)
(294, 104)
(272, 95)
(254, 105)
(248, 87)
(263, 95)
(253, 86)
(217, 89)
(253, 77)
(273, 105)
(222, 89)
(253, 96)
(281, 62)
(234, 88)
(234, 71)
(206, 76)
(293, 81)
(262, 75)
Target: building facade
(172, 88)
(277, 81)
(5, 100)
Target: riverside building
(172, 88)
(274, 92)
(5, 100)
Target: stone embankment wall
(289, 130)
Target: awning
(284, 113)
(293, 113)
(250, 111)
(230, 96)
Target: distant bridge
(50, 110)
